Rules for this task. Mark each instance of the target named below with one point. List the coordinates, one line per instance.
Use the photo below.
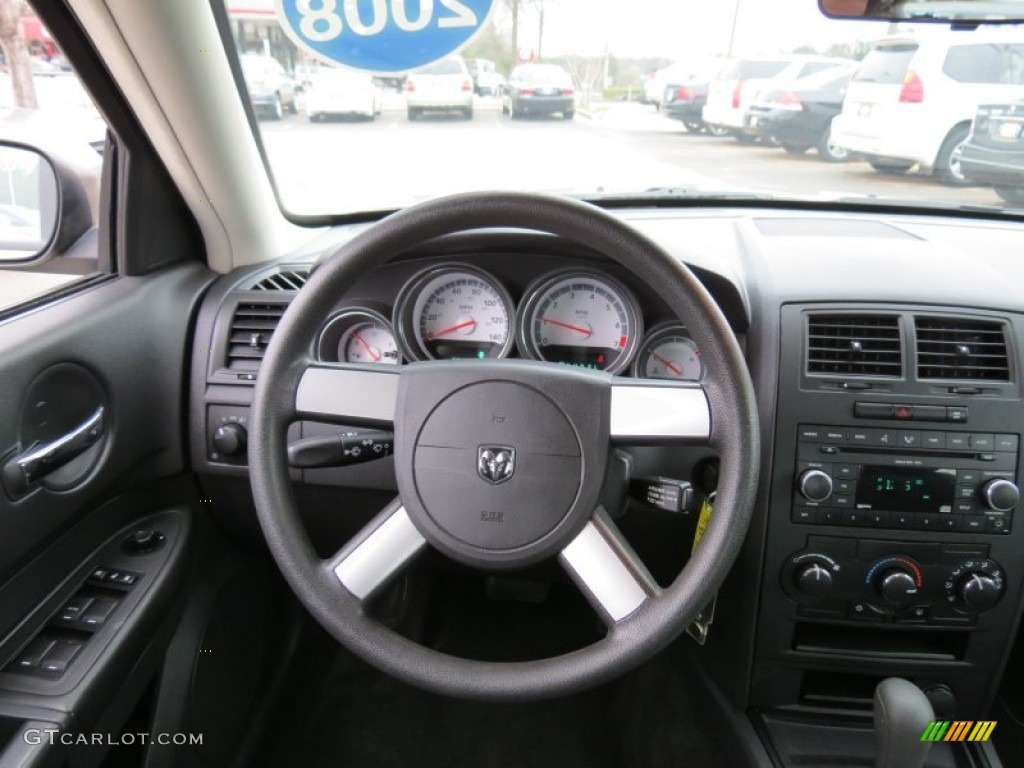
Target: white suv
(912, 100)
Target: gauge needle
(576, 328)
(453, 329)
(373, 353)
(671, 366)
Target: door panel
(130, 334)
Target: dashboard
(887, 366)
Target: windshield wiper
(658, 194)
(940, 205)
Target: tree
(19, 63)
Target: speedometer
(454, 312)
(584, 319)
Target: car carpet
(337, 710)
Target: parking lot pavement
(347, 165)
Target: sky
(681, 29)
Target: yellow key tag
(706, 508)
(701, 625)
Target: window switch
(58, 659)
(75, 608)
(33, 656)
(98, 612)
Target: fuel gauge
(669, 353)
(359, 335)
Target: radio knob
(897, 586)
(1000, 495)
(229, 439)
(815, 485)
(814, 580)
(979, 591)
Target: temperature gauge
(359, 336)
(669, 353)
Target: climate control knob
(979, 591)
(975, 585)
(229, 439)
(897, 586)
(1000, 495)
(814, 580)
(815, 485)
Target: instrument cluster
(454, 311)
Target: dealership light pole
(735, 23)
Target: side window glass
(974, 63)
(45, 115)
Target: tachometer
(359, 336)
(669, 353)
(584, 319)
(454, 312)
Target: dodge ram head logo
(496, 464)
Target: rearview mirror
(969, 12)
(28, 203)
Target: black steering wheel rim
(734, 434)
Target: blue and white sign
(383, 36)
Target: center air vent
(961, 349)
(289, 279)
(251, 330)
(857, 345)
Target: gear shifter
(902, 712)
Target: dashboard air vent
(857, 345)
(285, 280)
(251, 330)
(961, 349)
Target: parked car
(271, 90)
(444, 86)
(487, 81)
(657, 83)
(798, 115)
(734, 90)
(334, 92)
(539, 89)
(912, 100)
(994, 152)
(686, 94)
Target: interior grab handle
(26, 469)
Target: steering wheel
(548, 429)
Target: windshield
(592, 99)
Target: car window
(446, 67)
(886, 64)
(757, 70)
(990, 64)
(52, 111)
(569, 96)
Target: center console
(894, 538)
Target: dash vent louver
(291, 279)
(961, 349)
(854, 345)
(252, 327)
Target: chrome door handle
(22, 471)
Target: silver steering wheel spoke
(376, 554)
(357, 395)
(607, 570)
(647, 412)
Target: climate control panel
(896, 582)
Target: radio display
(903, 489)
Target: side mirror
(44, 205)
(28, 203)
